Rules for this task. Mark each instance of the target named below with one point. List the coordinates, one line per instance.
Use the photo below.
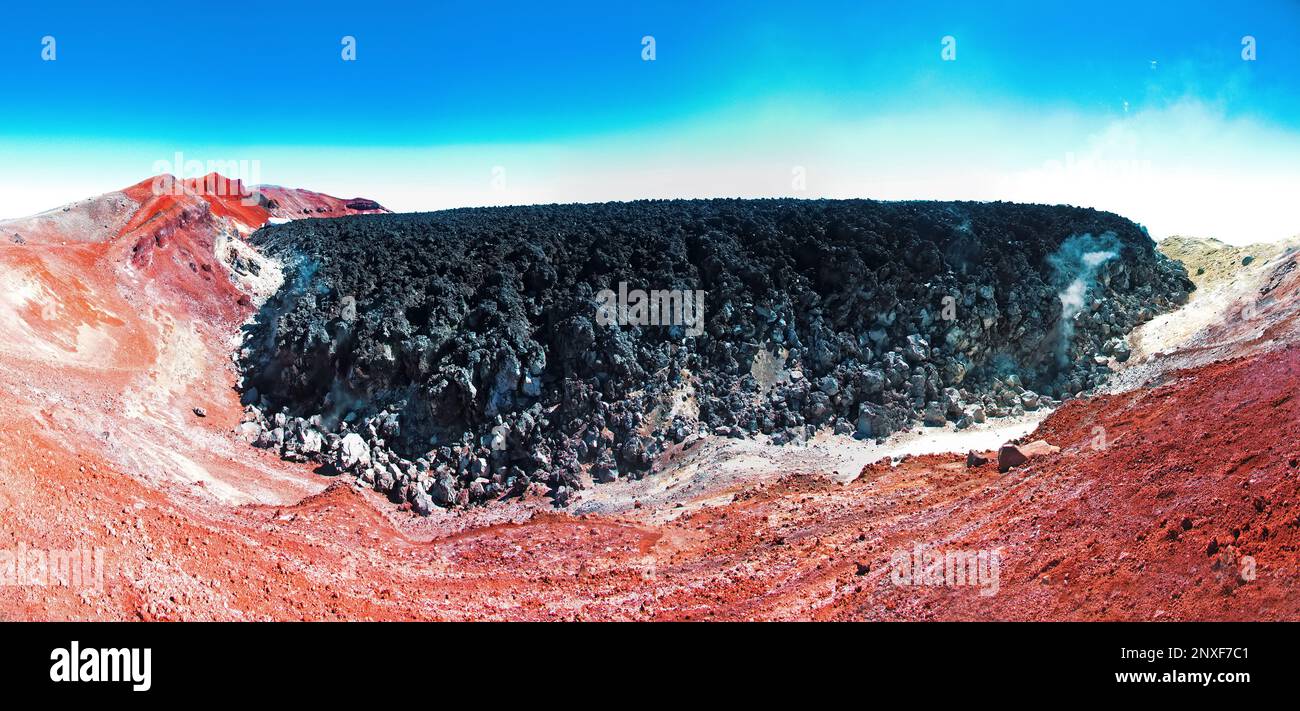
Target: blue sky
(1144, 108)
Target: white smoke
(1076, 263)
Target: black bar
(297, 660)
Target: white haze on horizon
(1183, 169)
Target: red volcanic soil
(1149, 512)
(1154, 508)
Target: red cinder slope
(181, 228)
(1181, 502)
(118, 314)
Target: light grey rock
(353, 452)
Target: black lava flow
(454, 357)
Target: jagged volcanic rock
(462, 355)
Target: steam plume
(1076, 263)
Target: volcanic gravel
(452, 357)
